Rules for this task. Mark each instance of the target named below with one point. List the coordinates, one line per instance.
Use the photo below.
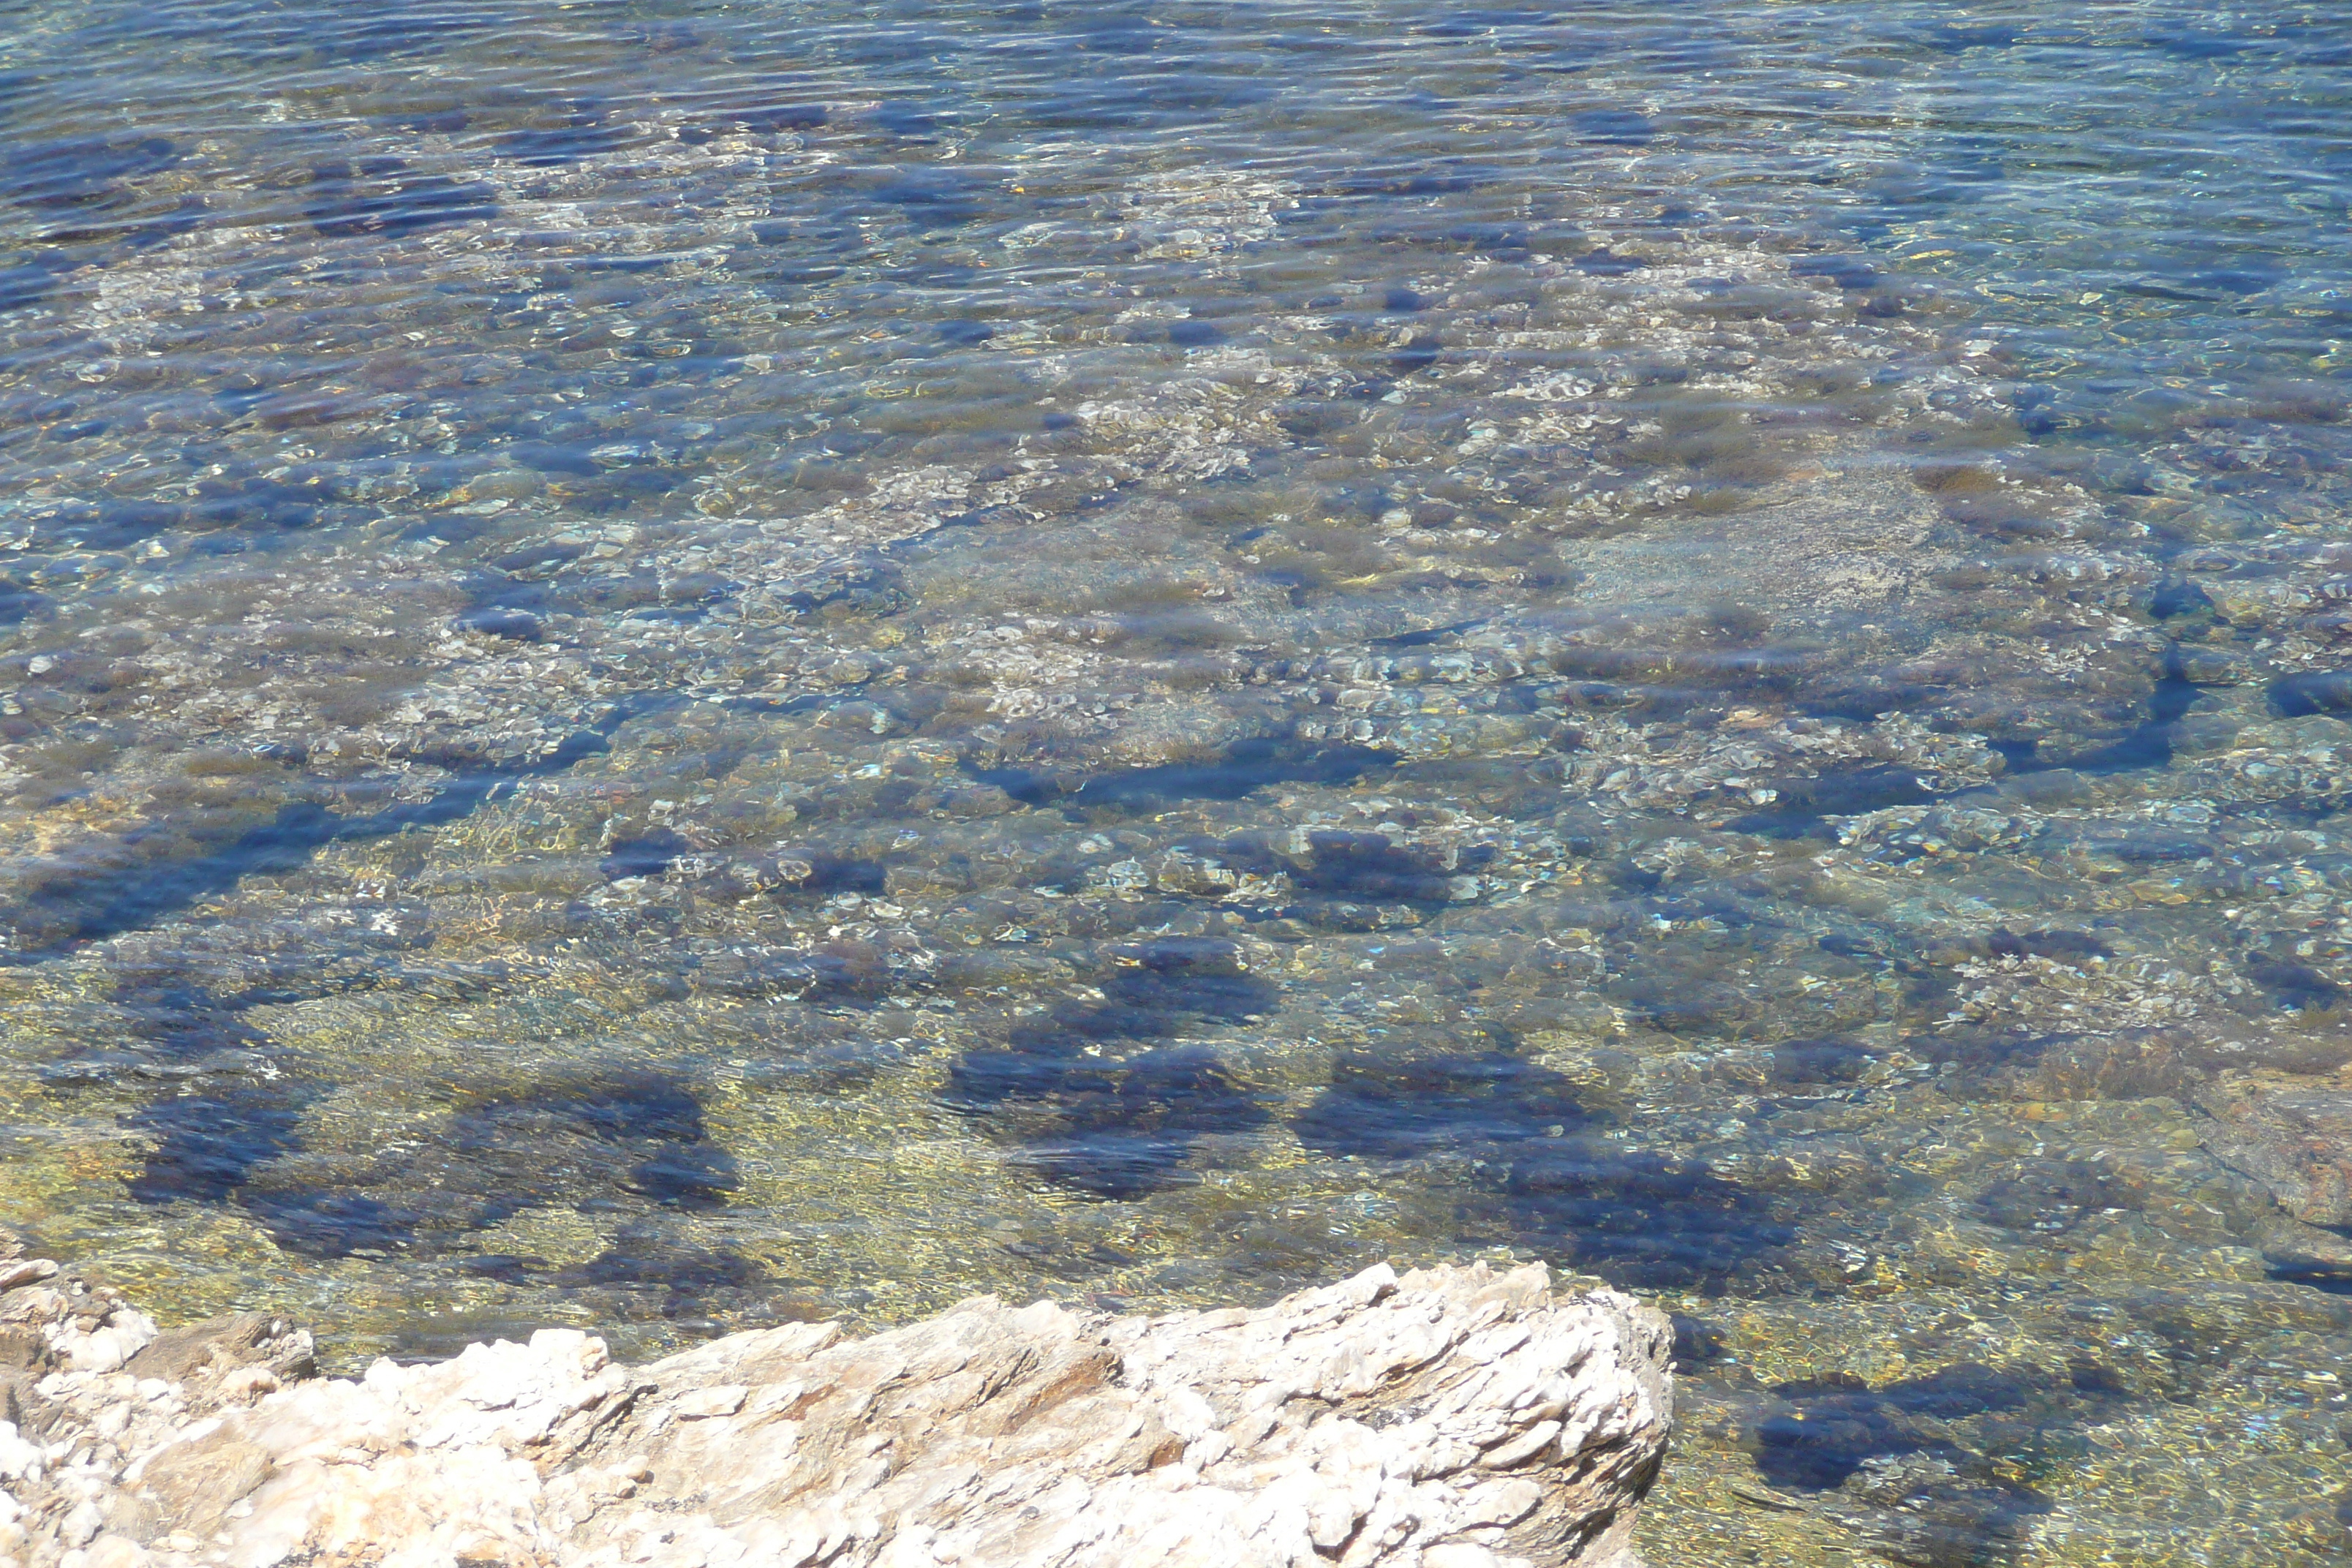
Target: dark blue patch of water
(1415, 1107)
(1613, 127)
(648, 855)
(83, 171)
(384, 196)
(1244, 766)
(1116, 1124)
(206, 1145)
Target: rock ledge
(1449, 1418)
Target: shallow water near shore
(663, 667)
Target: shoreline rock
(1454, 1418)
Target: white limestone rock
(1451, 1418)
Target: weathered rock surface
(1450, 1418)
(2296, 1140)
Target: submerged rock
(1453, 1418)
(2296, 1140)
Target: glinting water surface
(671, 664)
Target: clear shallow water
(667, 665)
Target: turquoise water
(665, 666)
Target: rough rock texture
(1451, 1418)
(2296, 1139)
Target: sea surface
(667, 665)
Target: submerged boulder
(2294, 1137)
(1447, 1419)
